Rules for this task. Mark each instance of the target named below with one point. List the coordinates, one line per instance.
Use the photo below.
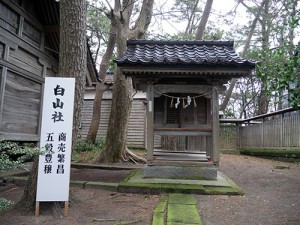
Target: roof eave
(234, 72)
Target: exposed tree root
(126, 156)
(129, 155)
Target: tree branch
(107, 2)
(143, 20)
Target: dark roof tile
(146, 52)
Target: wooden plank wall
(136, 126)
(22, 105)
(23, 65)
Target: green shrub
(5, 204)
(13, 156)
(87, 146)
(83, 145)
(85, 151)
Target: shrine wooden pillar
(150, 122)
(215, 154)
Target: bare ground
(271, 197)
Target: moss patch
(176, 209)
(161, 205)
(232, 190)
(230, 151)
(284, 153)
(159, 212)
(182, 199)
(102, 185)
(158, 219)
(185, 214)
(281, 167)
(132, 174)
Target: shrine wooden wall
(23, 65)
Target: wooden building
(29, 46)
(182, 80)
(136, 124)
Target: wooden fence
(275, 130)
(229, 138)
(274, 133)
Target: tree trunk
(246, 46)
(72, 51)
(96, 116)
(204, 19)
(100, 87)
(188, 28)
(115, 145)
(27, 201)
(265, 22)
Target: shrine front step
(180, 172)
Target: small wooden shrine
(182, 80)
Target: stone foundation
(180, 172)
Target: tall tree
(245, 49)
(273, 41)
(101, 87)
(265, 34)
(204, 19)
(98, 26)
(115, 147)
(102, 34)
(279, 67)
(72, 63)
(196, 19)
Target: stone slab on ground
(180, 172)
(135, 183)
(182, 199)
(176, 209)
(220, 182)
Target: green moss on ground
(185, 214)
(160, 210)
(176, 209)
(284, 153)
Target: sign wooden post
(56, 142)
(37, 208)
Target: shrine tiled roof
(182, 53)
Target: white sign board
(56, 140)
